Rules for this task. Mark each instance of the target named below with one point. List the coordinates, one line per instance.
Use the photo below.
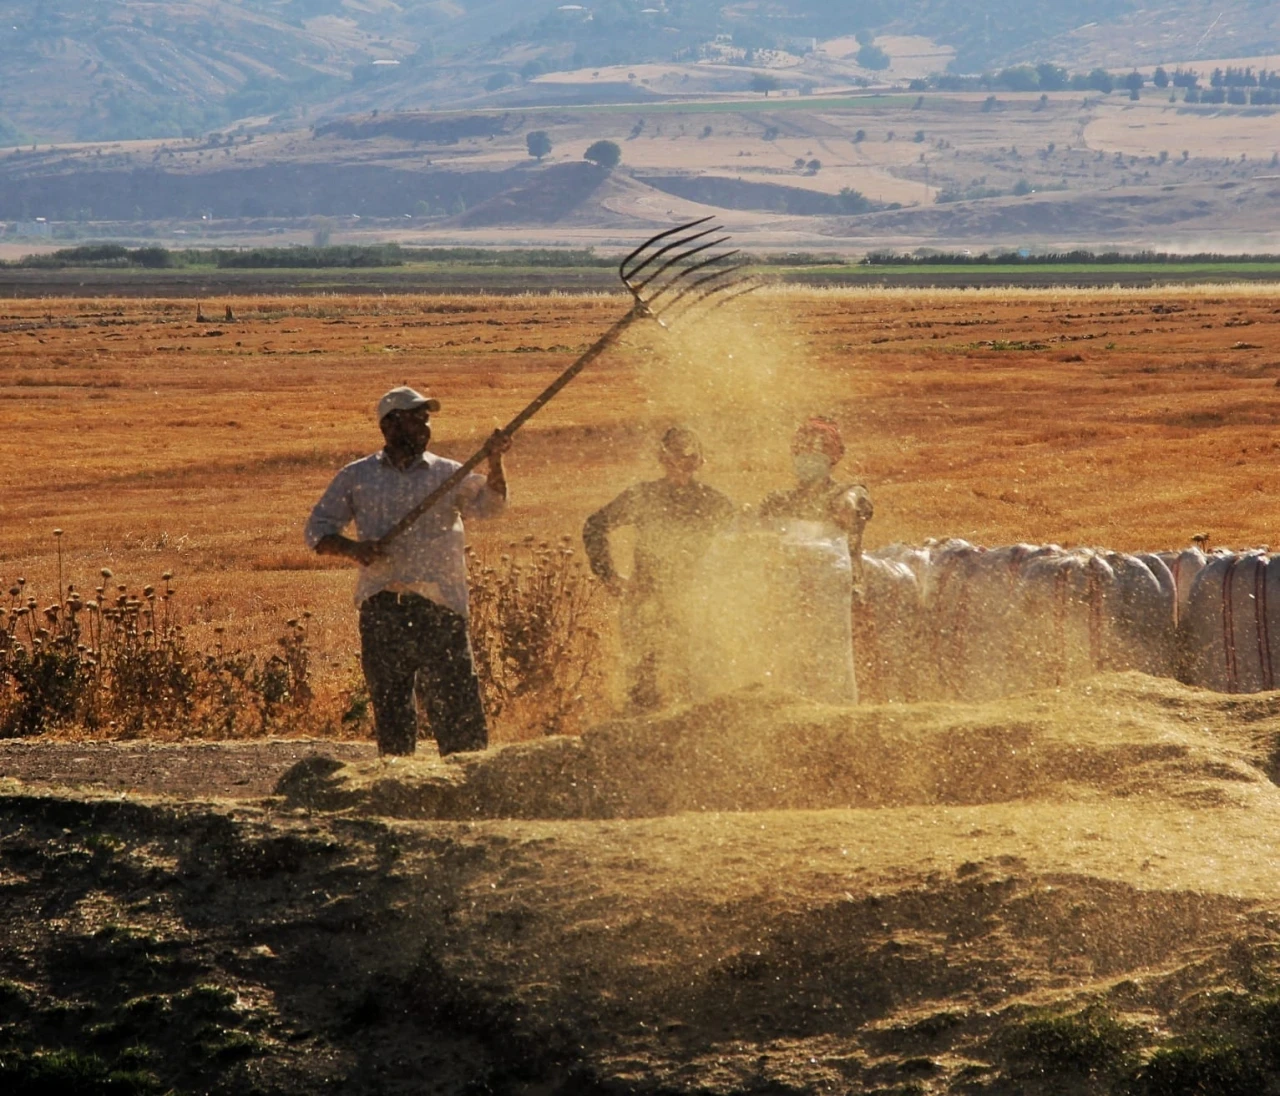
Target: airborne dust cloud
(741, 379)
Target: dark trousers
(407, 640)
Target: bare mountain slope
(115, 69)
(1131, 213)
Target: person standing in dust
(816, 572)
(675, 519)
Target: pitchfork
(668, 276)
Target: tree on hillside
(1052, 77)
(762, 81)
(1101, 80)
(852, 201)
(605, 153)
(1134, 80)
(1160, 78)
(1019, 78)
(873, 57)
(538, 143)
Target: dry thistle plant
(119, 662)
(535, 631)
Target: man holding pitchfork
(412, 588)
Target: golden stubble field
(1067, 890)
(1132, 419)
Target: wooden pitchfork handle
(597, 348)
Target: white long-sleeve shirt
(427, 558)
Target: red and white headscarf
(819, 434)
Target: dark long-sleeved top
(674, 525)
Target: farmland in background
(940, 169)
(1125, 418)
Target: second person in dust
(816, 570)
(675, 519)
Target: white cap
(405, 398)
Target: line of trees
(1235, 96)
(1244, 78)
(1237, 86)
(1042, 77)
(118, 256)
(1057, 258)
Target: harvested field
(1066, 891)
(1129, 419)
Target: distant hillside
(94, 70)
(113, 69)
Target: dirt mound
(1067, 891)
(1122, 734)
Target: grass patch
(1091, 1042)
(1206, 1070)
(72, 1073)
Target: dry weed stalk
(536, 637)
(120, 662)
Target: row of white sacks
(951, 620)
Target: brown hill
(548, 196)
(1119, 214)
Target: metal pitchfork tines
(668, 276)
(683, 275)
